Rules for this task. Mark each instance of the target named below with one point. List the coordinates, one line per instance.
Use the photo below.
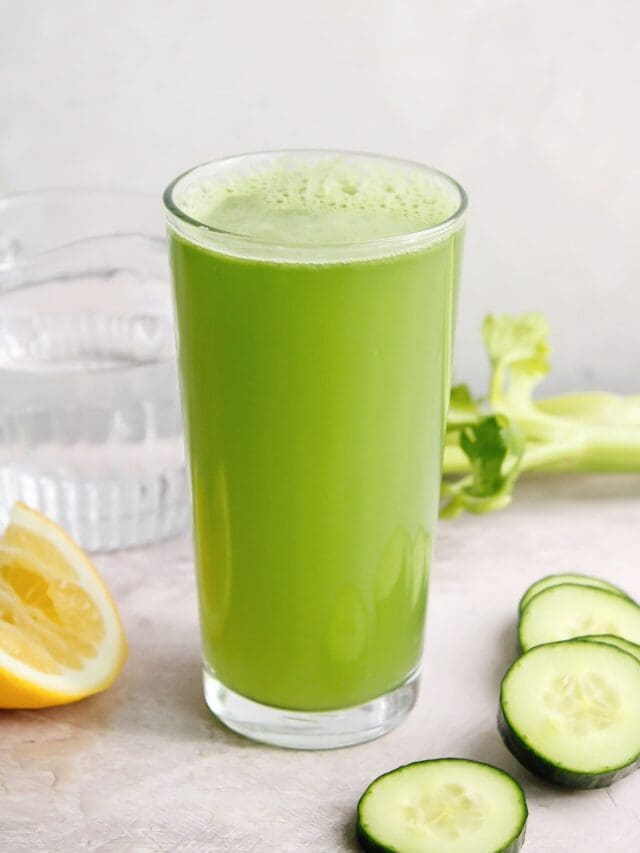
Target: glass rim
(39, 198)
(195, 228)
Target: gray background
(532, 105)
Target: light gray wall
(531, 104)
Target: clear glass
(315, 381)
(90, 422)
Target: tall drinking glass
(315, 296)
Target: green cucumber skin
(558, 776)
(367, 843)
(524, 649)
(372, 846)
(613, 588)
(603, 639)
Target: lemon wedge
(61, 638)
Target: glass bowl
(90, 425)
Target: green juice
(314, 389)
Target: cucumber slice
(446, 804)
(568, 577)
(570, 712)
(618, 642)
(566, 611)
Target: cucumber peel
(568, 577)
(570, 610)
(570, 713)
(450, 804)
(609, 640)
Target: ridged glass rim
(68, 195)
(244, 245)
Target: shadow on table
(158, 696)
(165, 695)
(349, 837)
(505, 651)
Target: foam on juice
(331, 201)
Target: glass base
(310, 730)
(127, 510)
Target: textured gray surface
(145, 768)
